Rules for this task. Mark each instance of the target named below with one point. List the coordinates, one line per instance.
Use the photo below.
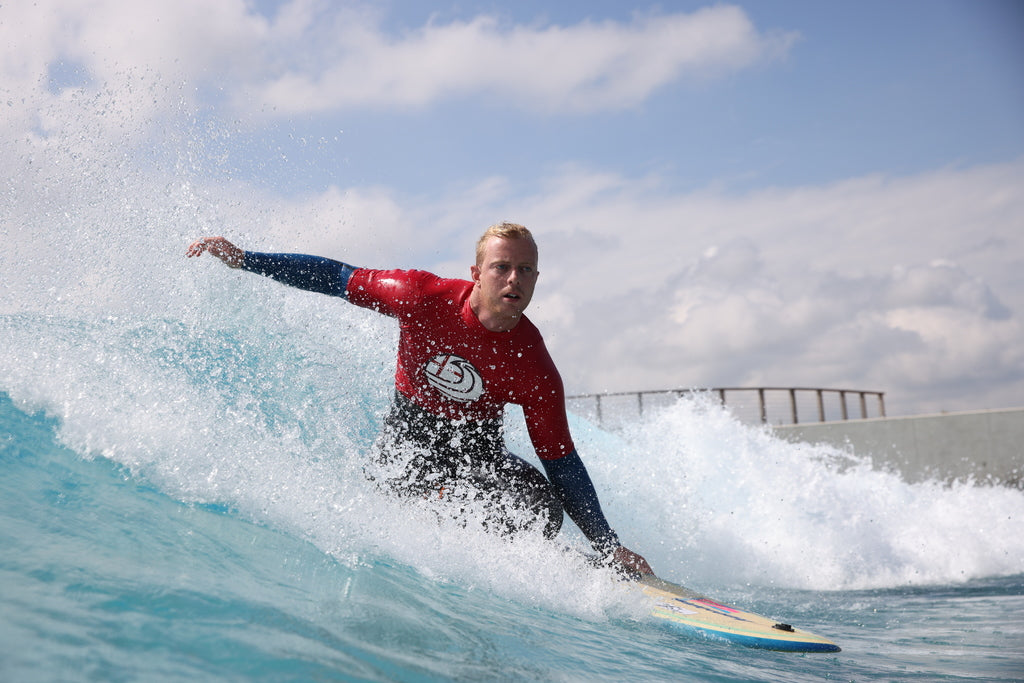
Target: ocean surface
(182, 498)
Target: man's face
(504, 281)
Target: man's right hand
(227, 252)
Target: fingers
(631, 561)
(219, 247)
(196, 248)
(209, 244)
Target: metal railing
(743, 401)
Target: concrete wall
(987, 445)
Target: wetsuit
(453, 380)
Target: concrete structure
(986, 445)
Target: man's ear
(474, 273)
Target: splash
(273, 417)
(720, 498)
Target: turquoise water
(181, 498)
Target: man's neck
(493, 322)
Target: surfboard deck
(690, 611)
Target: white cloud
(86, 72)
(872, 283)
(356, 225)
(911, 286)
(82, 73)
(322, 56)
(580, 68)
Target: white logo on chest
(454, 377)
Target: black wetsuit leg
(426, 455)
(522, 496)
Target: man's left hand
(630, 562)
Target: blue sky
(864, 87)
(785, 193)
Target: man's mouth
(510, 296)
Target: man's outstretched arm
(312, 273)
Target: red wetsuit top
(451, 365)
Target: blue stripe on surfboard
(755, 641)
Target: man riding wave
(465, 350)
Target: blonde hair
(504, 230)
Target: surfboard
(694, 613)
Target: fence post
(792, 405)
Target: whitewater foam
(273, 421)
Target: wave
(267, 407)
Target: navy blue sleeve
(576, 490)
(312, 273)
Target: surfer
(465, 350)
